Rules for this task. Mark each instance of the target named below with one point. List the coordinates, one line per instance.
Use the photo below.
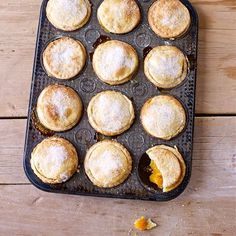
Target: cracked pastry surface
(107, 164)
(165, 66)
(68, 15)
(54, 160)
(169, 164)
(59, 107)
(118, 16)
(163, 117)
(110, 113)
(64, 58)
(169, 18)
(115, 62)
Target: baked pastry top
(169, 18)
(68, 15)
(115, 62)
(59, 108)
(64, 58)
(110, 113)
(165, 66)
(107, 163)
(168, 167)
(54, 160)
(163, 117)
(118, 16)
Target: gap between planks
(214, 146)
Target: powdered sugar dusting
(54, 159)
(72, 6)
(70, 11)
(107, 164)
(60, 101)
(110, 162)
(62, 54)
(161, 118)
(127, 8)
(114, 59)
(161, 64)
(121, 10)
(113, 112)
(171, 20)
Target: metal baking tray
(139, 89)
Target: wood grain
(18, 27)
(214, 155)
(34, 212)
(11, 151)
(216, 85)
(207, 207)
(216, 14)
(216, 81)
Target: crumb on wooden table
(144, 224)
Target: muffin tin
(139, 89)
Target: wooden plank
(217, 54)
(216, 81)
(34, 212)
(214, 158)
(18, 27)
(216, 14)
(11, 151)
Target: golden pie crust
(118, 16)
(59, 107)
(171, 165)
(68, 15)
(169, 18)
(163, 117)
(54, 160)
(107, 164)
(165, 66)
(64, 58)
(115, 62)
(110, 113)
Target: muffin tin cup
(139, 90)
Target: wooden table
(207, 207)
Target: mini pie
(118, 16)
(68, 15)
(64, 58)
(168, 167)
(59, 108)
(163, 117)
(54, 160)
(115, 62)
(169, 18)
(165, 66)
(110, 113)
(107, 164)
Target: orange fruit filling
(156, 176)
(141, 224)
(144, 224)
